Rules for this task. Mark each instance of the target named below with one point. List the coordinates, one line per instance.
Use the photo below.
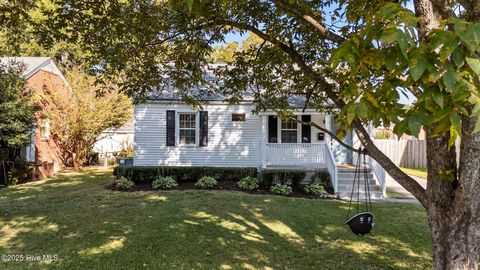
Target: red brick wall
(47, 153)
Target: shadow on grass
(87, 226)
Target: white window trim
(177, 128)
(279, 130)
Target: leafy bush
(324, 178)
(281, 189)
(182, 174)
(316, 190)
(249, 183)
(206, 182)
(164, 183)
(124, 183)
(271, 177)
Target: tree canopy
(16, 107)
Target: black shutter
(170, 128)
(306, 129)
(203, 128)
(272, 129)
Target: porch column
(328, 126)
(263, 140)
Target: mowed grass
(89, 227)
(419, 172)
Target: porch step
(345, 183)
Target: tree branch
(320, 28)
(406, 181)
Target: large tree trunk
(453, 208)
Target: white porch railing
(295, 154)
(380, 173)
(332, 168)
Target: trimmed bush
(124, 183)
(164, 183)
(249, 183)
(324, 178)
(273, 177)
(281, 189)
(182, 174)
(316, 190)
(206, 182)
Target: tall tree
(358, 55)
(16, 107)
(79, 117)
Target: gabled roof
(34, 64)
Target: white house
(115, 140)
(168, 132)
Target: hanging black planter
(362, 222)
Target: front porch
(291, 146)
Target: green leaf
(389, 36)
(415, 125)
(477, 126)
(402, 43)
(456, 122)
(474, 64)
(470, 36)
(189, 4)
(373, 100)
(350, 114)
(417, 67)
(450, 79)
(458, 58)
(362, 110)
(389, 10)
(453, 137)
(438, 98)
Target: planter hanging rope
(363, 220)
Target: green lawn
(419, 172)
(88, 227)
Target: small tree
(16, 107)
(79, 117)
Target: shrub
(272, 177)
(281, 189)
(324, 178)
(249, 183)
(316, 190)
(182, 174)
(206, 182)
(124, 183)
(164, 183)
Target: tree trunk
(454, 204)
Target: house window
(238, 117)
(187, 128)
(289, 131)
(45, 129)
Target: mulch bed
(222, 185)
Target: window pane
(289, 124)
(289, 136)
(187, 136)
(187, 120)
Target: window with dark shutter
(203, 129)
(170, 128)
(272, 129)
(306, 129)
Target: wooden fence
(405, 153)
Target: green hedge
(182, 174)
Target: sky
(238, 37)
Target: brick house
(43, 78)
